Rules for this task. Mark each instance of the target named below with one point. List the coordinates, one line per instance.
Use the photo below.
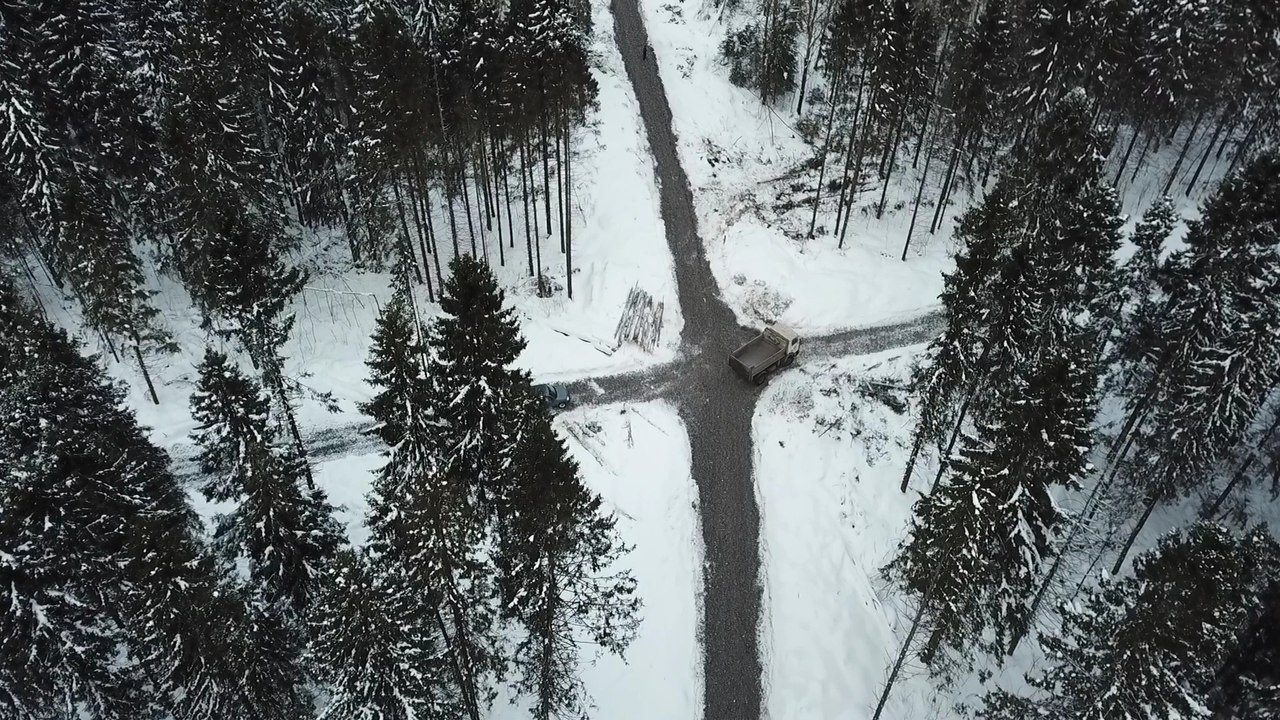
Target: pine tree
(1149, 645)
(978, 540)
(474, 345)
(557, 554)
(372, 644)
(1214, 359)
(396, 362)
(98, 538)
(1248, 685)
(286, 531)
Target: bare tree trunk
(848, 151)
(826, 149)
(524, 193)
(422, 233)
(902, 653)
(142, 365)
(1124, 160)
(915, 211)
(546, 169)
(1241, 472)
(493, 163)
(1217, 130)
(404, 227)
(1137, 529)
(1085, 518)
(916, 445)
(466, 206)
(888, 174)
(431, 234)
(1183, 153)
(560, 132)
(857, 167)
(946, 183)
(568, 209)
(1142, 156)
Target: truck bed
(757, 355)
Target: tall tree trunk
(1217, 130)
(142, 365)
(1152, 501)
(1183, 153)
(404, 227)
(915, 211)
(888, 173)
(1124, 160)
(848, 151)
(431, 234)
(546, 672)
(568, 209)
(276, 382)
(466, 207)
(1091, 506)
(524, 193)
(946, 182)
(1142, 156)
(489, 202)
(826, 148)
(422, 233)
(857, 167)
(561, 133)
(546, 168)
(904, 651)
(1242, 471)
(451, 206)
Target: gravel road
(716, 407)
(715, 404)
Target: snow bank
(741, 158)
(828, 463)
(638, 460)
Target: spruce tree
(396, 362)
(374, 645)
(978, 540)
(96, 526)
(557, 556)
(476, 391)
(1248, 684)
(1149, 645)
(1214, 359)
(424, 515)
(1137, 315)
(286, 531)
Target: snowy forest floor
(635, 457)
(618, 245)
(831, 442)
(753, 182)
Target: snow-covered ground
(637, 458)
(754, 205)
(829, 459)
(740, 156)
(619, 243)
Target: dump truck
(775, 347)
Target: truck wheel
(788, 360)
(760, 379)
(562, 405)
